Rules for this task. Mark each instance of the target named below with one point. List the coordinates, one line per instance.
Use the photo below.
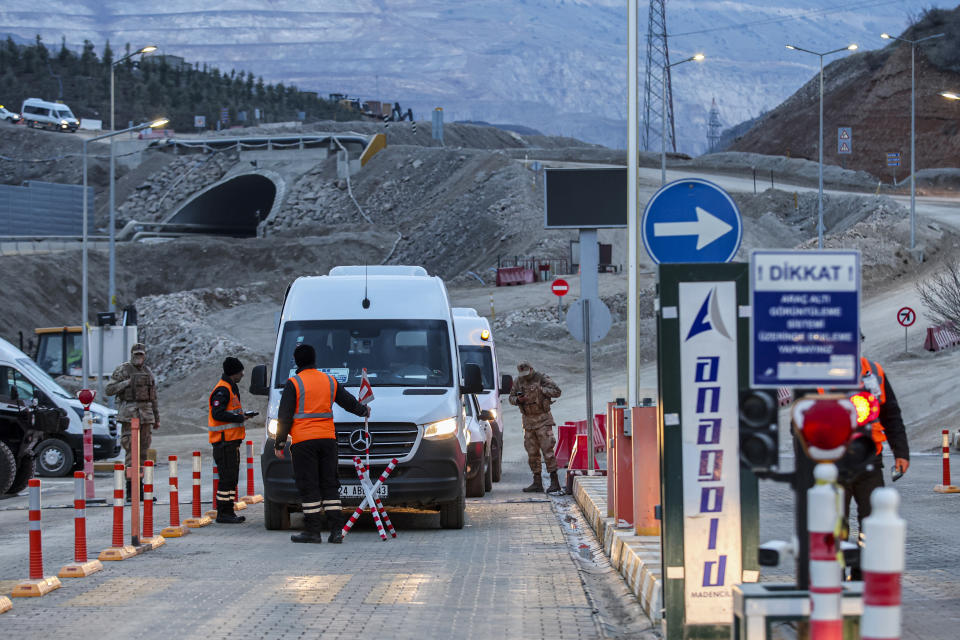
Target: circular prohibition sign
(560, 287)
(906, 316)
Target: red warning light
(825, 424)
(86, 396)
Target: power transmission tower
(713, 128)
(658, 60)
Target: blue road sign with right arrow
(691, 220)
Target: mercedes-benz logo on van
(360, 440)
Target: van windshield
(42, 378)
(397, 353)
(65, 113)
(483, 358)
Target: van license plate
(356, 491)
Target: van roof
(379, 270)
(340, 297)
(465, 312)
(9, 353)
(44, 103)
(469, 328)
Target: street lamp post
(113, 261)
(851, 47)
(913, 129)
(83, 266)
(663, 114)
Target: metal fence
(43, 209)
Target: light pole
(851, 47)
(83, 267)
(663, 114)
(913, 130)
(113, 261)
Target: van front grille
(389, 440)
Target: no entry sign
(560, 287)
(906, 316)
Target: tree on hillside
(940, 293)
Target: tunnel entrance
(233, 208)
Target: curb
(636, 558)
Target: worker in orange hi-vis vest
(306, 414)
(225, 424)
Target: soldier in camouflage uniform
(134, 385)
(533, 393)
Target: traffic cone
(175, 530)
(251, 497)
(198, 519)
(118, 551)
(946, 487)
(148, 537)
(212, 513)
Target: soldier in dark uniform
(136, 389)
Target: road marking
(118, 591)
(314, 589)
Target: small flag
(365, 396)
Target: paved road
(511, 570)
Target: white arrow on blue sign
(691, 220)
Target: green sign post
(709, 499)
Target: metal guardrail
(270, 143)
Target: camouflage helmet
(524, 368)
(138, 348)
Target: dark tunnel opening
(234, 208)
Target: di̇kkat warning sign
(805, 318)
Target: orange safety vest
(877, 433)
(313, 417)
(224, 430)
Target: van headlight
(272, 426)
(441, 429)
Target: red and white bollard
(826, 575)
(80, 567)
(198, 519)
(883, 561)
(37, 585)
(946, 487)
(251, 497)
(175, 530)
(148, 538)
(212, 513)
(118, 551)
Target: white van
(49, 115)
(476, 345)
(395, 322)
(57, 452)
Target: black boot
(225, 513)
(554, 483)
(336, 520)
(537, 486)
(312, 530)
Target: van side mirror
(472, 379)
(486, 415)
(259, 386)
(506, 383)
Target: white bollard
(883, 562)
(826, 591)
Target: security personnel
(306, 414)
(225, 422)
(533, 393)
(136, 388)
(888, 428)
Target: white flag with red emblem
(365, 396)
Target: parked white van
(476, 345)
(395, 322)
(56, 450)
(49, 115)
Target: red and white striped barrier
(826, 575)
(118, 551)
(366, 501)
(883, 563)
(197, 519)
(175, 530)
(212, 513)
(946, 487)
(365, 480)
(80, 567)
(252, 497)
(37, 585)
(941, 337)
(148, 537)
